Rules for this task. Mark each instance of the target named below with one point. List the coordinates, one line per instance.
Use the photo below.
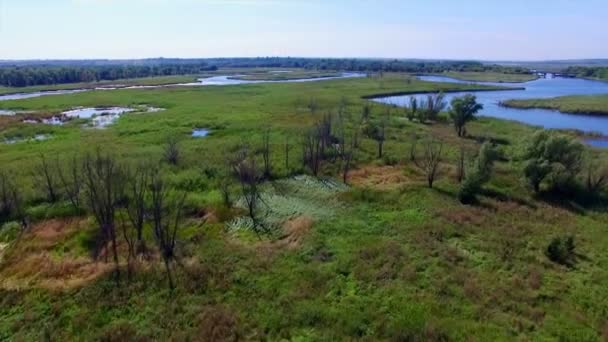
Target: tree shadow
(577, 201)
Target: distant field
(286, 74)
(160, 80)
(490, 77)
(580, 104)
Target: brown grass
(379, 177)
(217, 323)
(31, 263)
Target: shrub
(561, 251)
(482, 170)
(555, 157)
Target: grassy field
(490, 77)
(580, 104)
(383, 258)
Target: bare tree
(172, 154)
(431, 158)
(72, 181)
(137, 189)
(378, 133)
(265, 151)
(366, 112)
(412, 110)
(460, 166)
(104, 184)
(287, 150)
(248, 176)
(413, 146)
(312, 106)
(311, 150)
(46, 177)
(11, 201)
(166, 213)
(347, 155)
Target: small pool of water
(88, 113)
(200, 133)
(7, 112)
(37, 137)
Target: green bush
(479, 174)
(553, 157)
(561, 251)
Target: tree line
(18, 76)
(30, 73)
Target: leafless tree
(378, 133)
(311, 150)
(460, 167)
(312, 106)
(166, 214)
(366, 112)
(46, 177)
(287, 150)
(248, 176)
(431, 159)
(265, 151)
(72, 181)
(104, 185)
(172, 153)
(11, 200)
(413, 146)
(347, 155)
(137, 187)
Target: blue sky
(454, 29)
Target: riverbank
(578, 104)
(490, 77)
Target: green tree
(553, 157)
(463, 110)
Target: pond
(210, 81)
(200, 133)
(541, 88)
(99, 117)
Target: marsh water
(209, 81)
(541, 88)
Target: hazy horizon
(438, 29)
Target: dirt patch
(381, 177)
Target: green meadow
(583, 104)
(382, 257)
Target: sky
(442, 29)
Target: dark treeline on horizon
(48, 72)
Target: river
(541, 88)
